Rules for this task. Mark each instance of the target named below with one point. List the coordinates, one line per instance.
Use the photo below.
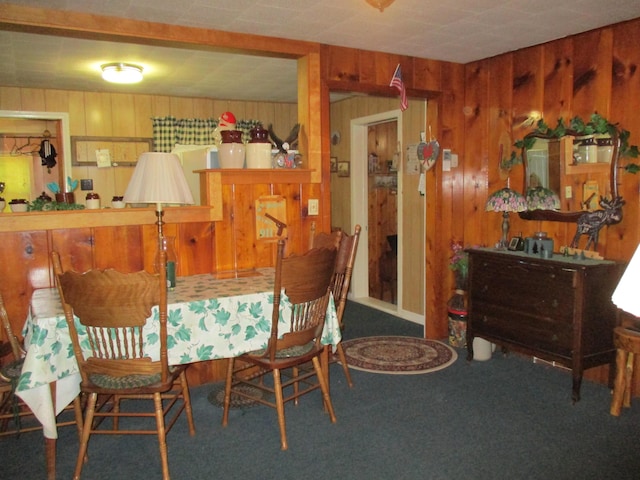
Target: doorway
(382, 218)
(374, 186)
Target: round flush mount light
(380, 4)
(121, 72)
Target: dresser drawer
(522, 328)
(539, 290)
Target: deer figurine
(590, 223)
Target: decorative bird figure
(290, 143)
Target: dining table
(210, 316)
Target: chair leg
(162, 435)
(86, 432)
(296, 386)
(227, 392)
(628, 378)
(325, 389)
(619, 383)
(77, 410)
(186, 398)
(345, 366)
(277, 386)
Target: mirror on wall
(566, 172)
(35, 151)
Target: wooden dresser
(556, 309)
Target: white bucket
(482, 349)
(231, 155)
(259, 155)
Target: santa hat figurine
(227, 121)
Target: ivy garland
(578, 127)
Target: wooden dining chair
(324, 239)
(14, 413)
(347, 246)
(112, 308)
(340, 287)
(305, 280)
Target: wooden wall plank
(123, 116)
(24, 266)
(592, 63)
(479, 180)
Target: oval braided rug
(398, 355)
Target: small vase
(66, 197)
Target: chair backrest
(16, 349)
(306, 280)
(344, 270)
(322, 239)
(113, 307)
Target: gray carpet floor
(506, 418)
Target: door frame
(359, 213)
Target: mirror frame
(571, 216)
(64, 135)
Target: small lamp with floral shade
(505, 200)
(541, 198)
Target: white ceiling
(453, 30)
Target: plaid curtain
(167, 131)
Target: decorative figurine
(590, 223)
(47, 152)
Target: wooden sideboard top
(556, 258)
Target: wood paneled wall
(428, 283)
(579, 75)
(129, 116)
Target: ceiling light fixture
(121, 72)
(380, 4)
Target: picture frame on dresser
(516, 244)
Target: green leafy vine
(597, 124)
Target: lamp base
(504, 242)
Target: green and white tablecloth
(208, 318)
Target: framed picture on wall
(334, 164)
(343, 169)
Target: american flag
(396, 81)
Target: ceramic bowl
(18, 206)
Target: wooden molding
(64, 219)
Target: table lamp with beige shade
(158, 178)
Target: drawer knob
(555, 303)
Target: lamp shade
(506, 200)
(158, 178)
(541, 198)
(626, 295)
